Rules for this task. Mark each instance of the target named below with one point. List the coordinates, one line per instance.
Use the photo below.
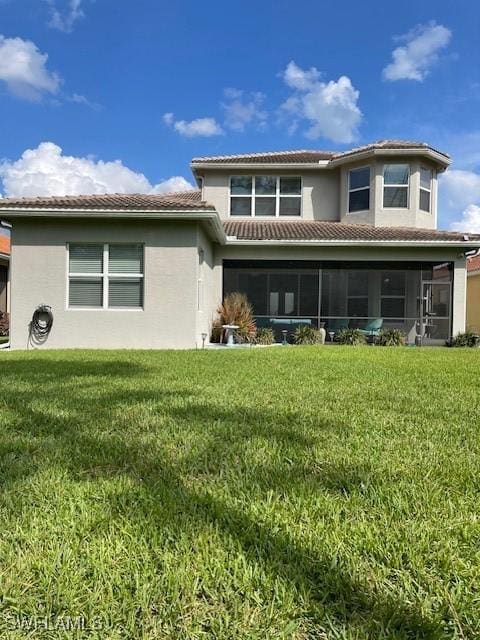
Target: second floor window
(265, 196)
(359, 189)
(425, 189)
(395, 186)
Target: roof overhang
(208, 217)
(5, 257)
(197, 168)
(438, 158)
(405, 244)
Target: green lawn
(267, 493)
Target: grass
(304, 492)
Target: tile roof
(331, 231)
(473, 264)
(183, 200)
(4, 244)
(389, 144)
(302, 156)
(305, 156)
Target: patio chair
(336, 325)
(372, 328)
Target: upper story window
(426, 176)
(262, 196)
(105, 276)
(359, 189)
(396, 179)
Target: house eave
(210, 217)
(225, 166)
(441, 160)
(233, 241)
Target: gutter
(209, 216)
(452, 244)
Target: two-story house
(309, 236)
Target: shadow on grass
(86, 448)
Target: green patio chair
(372, 328)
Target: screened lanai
(413, 297)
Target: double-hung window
(396, 179)
(265, 196)
(105, 276)
(359, 189)
(425, 189)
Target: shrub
(304, 334)
(391, 338)
(235, 309)
(351, 336)
(265, 335)
(4, 324)
(466, 339)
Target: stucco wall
(39, 275)
(325, 193)
(473, 302)
(205, 289)
(413, 216)
(320, 198)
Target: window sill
(115, 309)
(355, 213)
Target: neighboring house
(4, 262)
(309, 236)
(473, 294)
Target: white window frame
(402, 186)
(429, 191)
(277, 195)
(105, 276)
(359, 189)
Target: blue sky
(152, 84)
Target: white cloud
(459, 192)
(470, 220)
(64, 20)
(330, 107)
(205, 127)
(459, 189)
(45, 171)
(243, 109)
(413, 60)
(24, 71)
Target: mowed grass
(267, 493)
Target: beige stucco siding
(473, 302)
(39, 276)
(206, 301)
(320, 197)
(379, 216)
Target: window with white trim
(266, 196)
(359, 189)
(426, 176)
(105, 276)
(396, 178)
